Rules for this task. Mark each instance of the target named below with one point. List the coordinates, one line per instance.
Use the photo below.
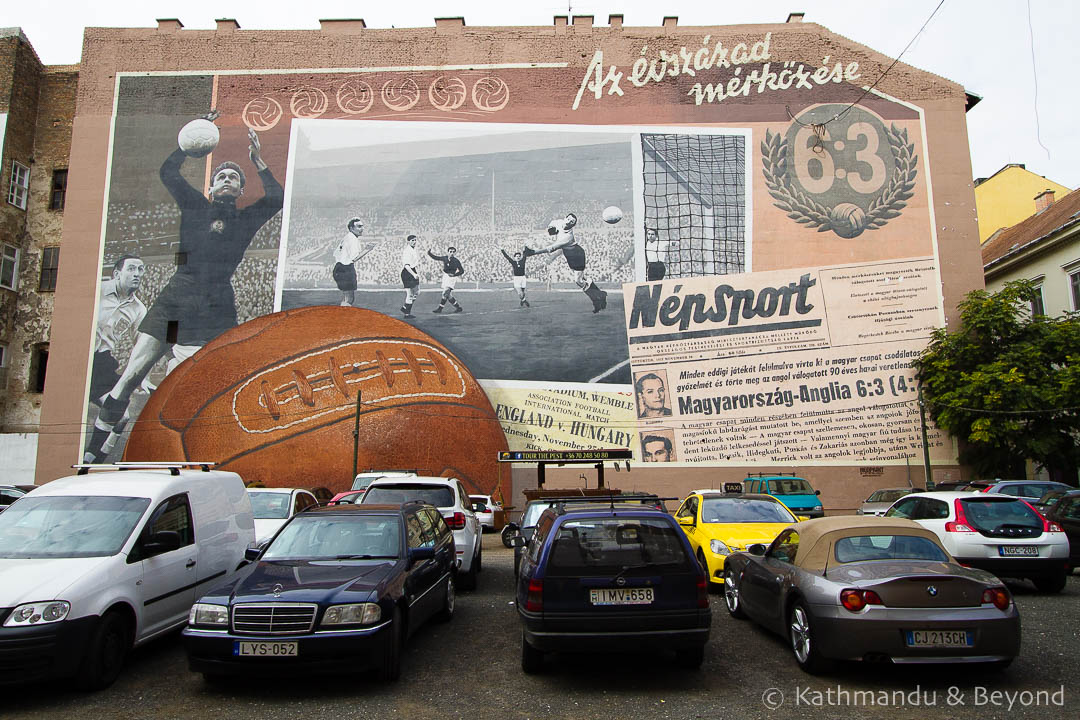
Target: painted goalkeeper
(574, 255)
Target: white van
(94, 564)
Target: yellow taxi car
(718, 524)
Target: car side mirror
(252, 552)
(686, 520)
(817, 492)
(757, 549)
(518, 541)
(162, 541)
(420, 553)
(802, 518)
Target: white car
(93, 565)
(485, 510)
(454, 504)
(272, 507)
(998, 533)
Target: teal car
(795, 492)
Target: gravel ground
(470, 668)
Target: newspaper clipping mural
(799, 366)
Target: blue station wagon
(610, 577)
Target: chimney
(615, 21)
(227, 24)
(795, 17)
(1044, 200)
(169, 25)
(670, 21)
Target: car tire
(690, 658)
(479, 561)
(391, 667)
(532, 660)
(467, 581)
(1051, 583)
(507, 536)
(803, 640)
(732, 599)
(705, 567)
(446, 613)
(106, 653)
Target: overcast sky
(985, 45)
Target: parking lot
(470, 668)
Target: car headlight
(357, 614)
(38, 613)
(207, 614)
(719, 548)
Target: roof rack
(772, 474)
(174, 468)
(559, 503)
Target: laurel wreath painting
(845, 219)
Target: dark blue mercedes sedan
(338, 589)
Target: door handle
(190, 564)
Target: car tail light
(535, 600)
(856, 600)
(999, 596)
(702, 591)
(456, 521)
(1050, 527)
(961, 523)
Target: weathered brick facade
(40, 105)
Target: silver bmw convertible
(869, 588)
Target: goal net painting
(695, 198)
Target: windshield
(270, 505)
(333, 537)
(790, 486)
(68, 527)
(616, 543)
(888, 547)
(743, 510)
(437, 495)
(888, 496)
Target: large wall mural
(714, 265)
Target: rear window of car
(991, 514)
(888, 496)
(790, 486)
(887, 547)
(270, 505)
(437, 495)
(614, 544)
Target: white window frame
(19, 187)
(9, 257)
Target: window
(1074, 289)
(1037, 307)
(50, 263)
(39, 361)
(173, 515)
(3, 355)
(59, 190)
(19, 188)
(785, 547)
(9, 266)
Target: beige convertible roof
(816, 537)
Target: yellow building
(1007, 197)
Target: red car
(349, 497)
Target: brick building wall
(40, 105)
(573, 72)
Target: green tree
(1007, 384)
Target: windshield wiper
(365, 557)
(625, 568)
